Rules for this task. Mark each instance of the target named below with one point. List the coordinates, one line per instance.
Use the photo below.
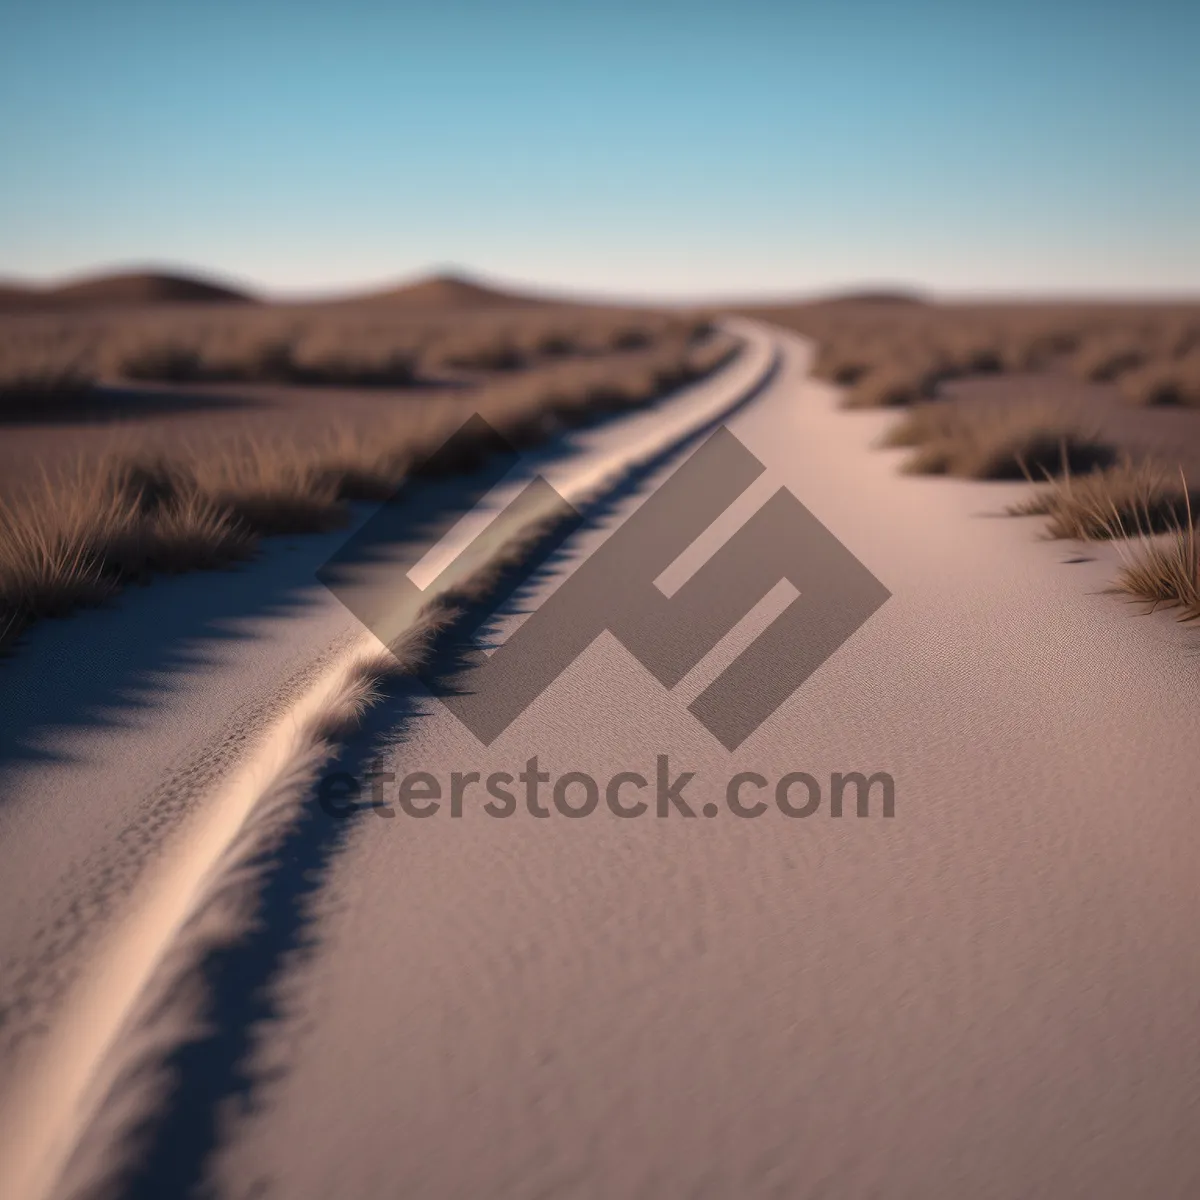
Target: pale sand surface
(993, 994)
(121, 725)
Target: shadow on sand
(214, 1075)
(109, 403)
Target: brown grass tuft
(1118, 502)
(1149, 513)
(996, 443)
(33, 381)
(1107, 358)
(1165, 571)
(892, 387)
(858, 339)
(1163, 382)
(74, 538)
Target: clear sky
(655, 147)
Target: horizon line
(552, 293)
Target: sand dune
(439, 293)
(122, 289)
(445, 292)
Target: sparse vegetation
(892, 386)
(1164, 382)
(898, 353)
(1164, 571)
(32, 379)
(73, 538)
(1009, 442)
(1147, 512)
(1106, 356)
(52, 358)
(1119, 502)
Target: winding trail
(992, 993)
(103, 899)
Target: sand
(991, 994)
(186, 705)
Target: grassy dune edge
(58, 362)
(900, 356)
(91, 1145)
(996, 443)
(75, 538)
(1147, 512)
(103, 1105)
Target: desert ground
(260, 935)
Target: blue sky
(661, 148)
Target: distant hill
(120, 290)
(13, 295)
(879, 297)
(445, 293)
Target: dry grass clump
(1165, 571)
(840, 362)
(348, 357)
(171, 361)
(268, 488)
(897, 354)
(906, 348)
(971, 352)
(1164, 382)
(72, 540)
(46, 359)
(360, 351)
(1107, 356)
(1143, 506)
(994, 442)
(883, 369)
(527, 411)
(895, 386)
(364, 466)
(630, 337)
(308, 356)
(706, 350)
(511, 346)
(496, 351)
(33, 382)
(52, 542)
(1117, 502)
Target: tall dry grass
(47, 360)
(1148, 512)
(897, 354)
(1165, 571)
(1122, 501)
(889, 354)
(74, 538)
(996, 442)
(1164, 381)
(32, 379)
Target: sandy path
(992, 994)
(136, 740)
